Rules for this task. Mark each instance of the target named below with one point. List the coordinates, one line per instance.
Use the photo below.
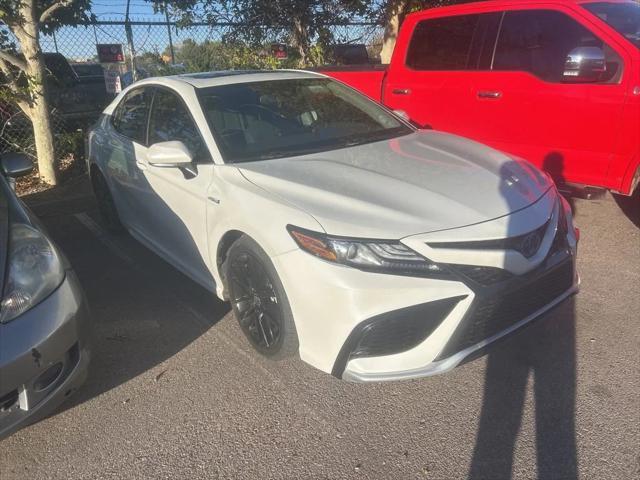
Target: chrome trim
(495, 44)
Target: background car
(336, 229)
(45, 330)
(77, 100)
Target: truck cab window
(539, 42)
(443, 43)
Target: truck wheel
(259, 301)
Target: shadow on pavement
(143, 310)
(546, 352)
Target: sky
(115, 10)
(79, 43)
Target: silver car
(44, 325)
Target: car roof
(226, 77)
(186, 83)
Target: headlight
(34, 270)
(383, 256)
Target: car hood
(419, 183)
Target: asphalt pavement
(176, 392)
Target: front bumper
(443, 365)
(44, 356)
(414, 327)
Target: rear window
(88, 69)
(59, 68)
(442, 43)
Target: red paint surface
(582, 133)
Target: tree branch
(48, 13)
(13, 60)
(19, 97)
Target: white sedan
(338, 232)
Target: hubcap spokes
(256, 301)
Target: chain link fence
(157, 48)
(78, 43)
(16, 133)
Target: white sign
(112, 81)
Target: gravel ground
(176, 392)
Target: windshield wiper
(355, 140)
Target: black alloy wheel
(259, 301)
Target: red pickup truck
(556, 82)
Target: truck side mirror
(584, 65)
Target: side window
(170, 120)
(539, 41)
(443, 43)
(130, 116)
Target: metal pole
(129, 32)
(55, 41)
(173, 55)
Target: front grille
(491, 315)
(519, 243)
(483, 275)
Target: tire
(105, 201)
(259, 301)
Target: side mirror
(16, 165)
(169, 154)
(584, 64)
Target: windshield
(623, 17)
(281, 118)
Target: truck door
(538, 103)
(433, 75)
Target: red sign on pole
(110, 53)
(279, 51)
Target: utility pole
(129, 32)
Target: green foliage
(209, 56)
(153, 63)
(299, 23)
(69, 13)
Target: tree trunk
(40, 118)
(395, 14)
(300, 39)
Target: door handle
(401, 91)
(489, 94)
